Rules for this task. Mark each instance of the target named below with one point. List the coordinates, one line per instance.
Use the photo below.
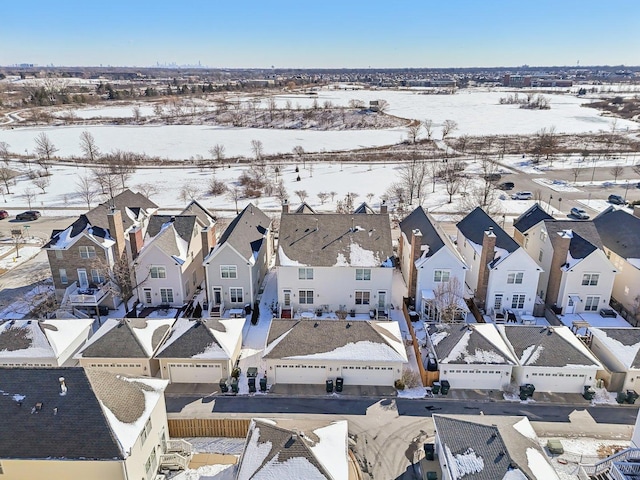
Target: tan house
(68, 423)
(126, 345)
(42, 343)
(201, 350)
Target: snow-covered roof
(623, 343)
(469, 344)
(172, 235)
(207, 339)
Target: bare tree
(216, 187)
(84, 188)
(370, 196)
(302, 194)
(136, 114)
(383, 106)
(42, 182)
(29, 195)
(489, 172)
(257, 149)
(428, 127)
(322, 196)
(45, 149)
(576, 171)
(217, 152)
(189, 192)
(234, 194)
(122, 164)
(413, 130)
(413, 175)
(89, 147)
(4, 152)
(452, 182)
(298, 151)
(616, 172)
(448, 299)
(448, 127)
(107, 180)
(6, 176)
(333, 195)
(118, 280)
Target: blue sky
(327, 34)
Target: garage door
(368, 375)
(195, 372)
(565, 383)
(474, 379)
(301, 374)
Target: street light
(559, 204)
(626, 189)
(550, 198)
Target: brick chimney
(416, 252)
(636, 211)
(135, 241)
(116, 230)
(285, 206)
(383, 207)
(559, 258)
(486, 257)
(208, 236)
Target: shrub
(410, 378)
(398, 384)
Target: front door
(217, 296)
(571, 306)
(286, 295)
(382, 300)
(83, 279)
(147, 296)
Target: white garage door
(565, 383)
(301, 374)
(369, 375)
(473, 378)
(195, 372)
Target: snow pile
(484, 356)
(459, 350)
(540, 466)
(524, 428)
(437, 337)
(286, 261)
(210, 472)
(255, 454)
(531, 354)
(363, 351)
(331, 450)
(341, 261)
(463, 463)
(145, 333)
(360, 257)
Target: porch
(89, 296)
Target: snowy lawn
(12, 260)
(594, 319)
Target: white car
(522, 196)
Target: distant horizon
(332, 34)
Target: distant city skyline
(331, 34)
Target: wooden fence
(208, 427)
(416, 345)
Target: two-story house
(235, 268)
(431, 267)
(334, 262)
(83, 256)
(576, 275)
(502, 275)
(620, 235)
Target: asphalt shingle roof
(330, 239)
(193, 341)
(477, 222)
(418, 219)
(246, 233)
(620, 232)
(123, 201)
(531, 217)
(71, 426)
(204, 216)
(585, 236)
(478, 350)
(121, 341)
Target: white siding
(598, 263)
(443, 259)
(480, 377)
(556, 379)
(517, 261)
(625, 285)
(227, 255)
(173, 280)
(315, 372)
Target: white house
(431, 266)
(619, 351)
(236, 266)
(553, 359)
(471, 356)
(620, 235)
(313, 351)
(490, 447)
(201, 350)
(42, 343)
(334, 262)
(576, 275)
(502, 275)
(126, 345)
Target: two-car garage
(309, 373)
(197, 372)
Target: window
(236, 295)
(166, 295)
(540, 255)
(306, 296)
(363, 274)
(543, 235)
(150, 465)
(145, 431)
(59, 254)
(87, 252)
(517, 301)
(362, 297)
(515, 277)
(96, 276)
(441, 276)
(526, 242)
(228, 271)
(305, 274)
(158, 271)
(590, 279)
(591, 304)
(63, 276)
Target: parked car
(492, 177)
(616, 200)
(3, 214)
(522, 196)
(506, 186)
(28, 215)
(579, 213)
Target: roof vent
(315, 325)
(172, 219)
(348, 324)
(55, 410)
(63, 387)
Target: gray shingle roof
(629, 337)
(193, 340)
(620, 232)
(364, 208)
(543, 347)
(204, 217)
(585, 236)
(478, 350)
(330, 239)
(534, 215)
(247, 232)
(77, 430)
(477, 222)
(304, 208)
(124, 200)
(494, 439)
(308, 337)
(77, 227)
(418, 219)
(283, 445)
(122, 341)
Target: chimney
(116, 230)
(416, 252)
(383, 207)
(285, 206)
(486, 257)
(135, 240)
(636, 211)
(208, 236)
(172, 219)
(63, 387)
(559, 258)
